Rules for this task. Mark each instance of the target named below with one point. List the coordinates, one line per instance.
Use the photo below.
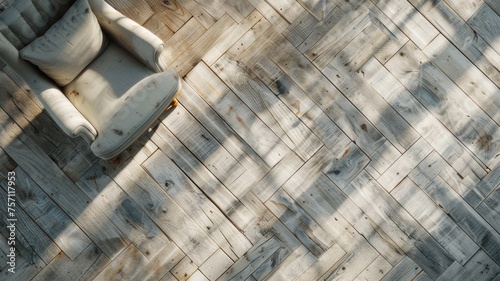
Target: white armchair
(116, 96)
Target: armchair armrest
(139, 41)
(62, 111)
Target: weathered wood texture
(314, 140)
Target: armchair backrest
(25, 20)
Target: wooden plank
(278, 175)
(303, 107)
(380, 207)
(465, 217)
(451, 237)
(198, 173)
(310, 178)
(213, 7)
(238, 10)
(341, 71)
(384, 157)
(310, 194)
(168, 277)
(277, 21)
(216, 265)
(326, 96)
(49, 217)
(406, 269)
(125, 266)
(171, 12)
(405, 164)
(352, 23)
(197, 276)
(185, 268)
(288, 9)
(255, 257)
(429, 168)
(480, 267)
(229, 37)
(323, 30)
(301, 28)
(477, 194)
(422, 277)
(250, 37)
(294, 265)
(161, 264)
(376, 270)
(493, 202)
(487, 23)
(203, 145)
(450, 272)
(447, 102)
(409, 20)
(490, 214)
(203, 45)
(433, 131)
(70, 198)
(396, 37)
(237, 115)
(155, 202)
(127, 215)
(158, 27)
(323, 263)
(221, 130)
(264, 222)
(196, 205)
(63, 268)
(6, 164)
(27, 265)
(268, 108)
(494, 5)
(362, 46)
(466, 75)
(180, 41)
(74, 157)
(30, 241)
(199, 13)
(459, 33)
(346, 165)
(348, 267)
(25, 113)
(22, 84)
(138, 11)
(379, 240)
(462, 185)
(465, 8)
(318, 8)
(270, 264)
(310, 233)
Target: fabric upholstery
(67, 117)
(139, 41)
(119, 91)
(119, 102)
(25, 20)
(68, 46)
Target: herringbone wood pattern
(314, 140)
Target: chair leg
(173, 103)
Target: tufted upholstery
(24, 21)
(119, 94)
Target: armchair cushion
(68, 46)
(120, 97)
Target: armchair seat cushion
(121, 104)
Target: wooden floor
(314, 140)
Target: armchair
(114, 97)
